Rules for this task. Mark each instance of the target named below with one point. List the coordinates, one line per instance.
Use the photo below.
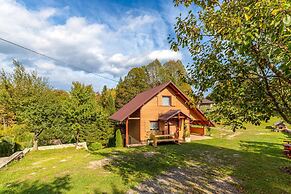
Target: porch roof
(170, 114)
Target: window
(154, 125)
(166, 101)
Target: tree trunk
(77, 138)
(4, 123)
(35, 142)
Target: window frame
(158, 127)
(170, 100)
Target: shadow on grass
(114, 190)
(57, 186)
(266, 148)
(287, 134)
(197, 167)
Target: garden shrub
(6, 147)
(186, 131)
(95, 146)
(118, 139)
(111, 142)
(19, 134)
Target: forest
(33, 113)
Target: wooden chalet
(163, 111)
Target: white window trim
(157, 126)
(170, 100)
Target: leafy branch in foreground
(241, 52)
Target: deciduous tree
(241, 51)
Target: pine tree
(81, 110)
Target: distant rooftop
(206, 101)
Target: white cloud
(85, 48)
(165, 55)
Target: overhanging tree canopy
(241, 51)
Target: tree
(134, 83)
(60, 130)
(175, 71)
(29, 98)
(107, 100)
(241, 51)
(155, 73)
(101, 130)
(142, 78)
(81, 110)
(118, 139)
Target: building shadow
(58, 186)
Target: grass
(57, 171)
(252, 156)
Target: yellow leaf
(275, 11)
(247, 17)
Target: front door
(171, 127)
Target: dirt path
(191, 179)
(198, 137)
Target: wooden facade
(170, 119)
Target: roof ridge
(147, 95)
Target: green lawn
(252, 156)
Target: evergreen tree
(118, 139)
(88, 121)
(60, 129)
(107, 100)
(81, 110)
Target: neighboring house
(205, 104)
(160, 110)
(280, 125)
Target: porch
(170, 126)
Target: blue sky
(88, 37)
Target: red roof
(142, 98)
(137, 102)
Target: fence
(20, 154)
(16, 156)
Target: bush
(95, 146)
(208, 131)
(186, 131)
(111, 142)
(6, 147)
(118, 139)
(19, 134)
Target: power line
(43, 55)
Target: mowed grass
(57, 171)
(253, 157)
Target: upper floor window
(166, 101)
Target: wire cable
(43, 55)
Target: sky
(88, 38)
